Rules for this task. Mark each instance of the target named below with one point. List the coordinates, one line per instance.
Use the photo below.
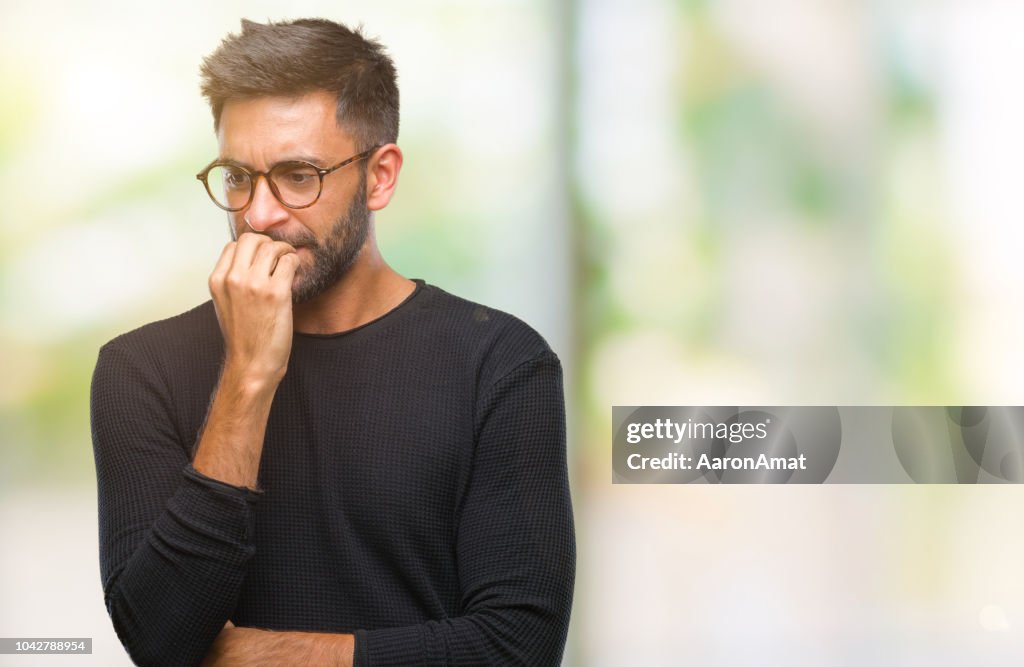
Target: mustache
(296, 240)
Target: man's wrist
(247, 382)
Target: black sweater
(412, 491)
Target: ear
(382, 176)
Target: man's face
(261, 132)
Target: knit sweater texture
(412, 491)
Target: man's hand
(252, 293)
(242, 647)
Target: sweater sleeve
(173, 542)
(515, 544)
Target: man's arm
(250, 647)
(515, 545)
(175, 536)
(515, 540)
(174, 543)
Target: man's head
(314, 91)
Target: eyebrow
(288, 158)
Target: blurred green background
(697, 202)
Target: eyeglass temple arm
(365, 154)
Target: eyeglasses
(296, 184)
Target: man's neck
(368, 290)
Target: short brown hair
(293, 58)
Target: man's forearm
(231, 443)
(250, 646)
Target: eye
(235, 179)
(296, 176)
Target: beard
(334, 255)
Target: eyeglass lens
(297, 184)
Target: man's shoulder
(500, 340)
(188, 334)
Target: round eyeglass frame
(254, 176)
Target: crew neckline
(302, 339)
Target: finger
(287, 264)
(220, 270)
(267, 256)
(248, 243)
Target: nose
(264, 210)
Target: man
(327, 463)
